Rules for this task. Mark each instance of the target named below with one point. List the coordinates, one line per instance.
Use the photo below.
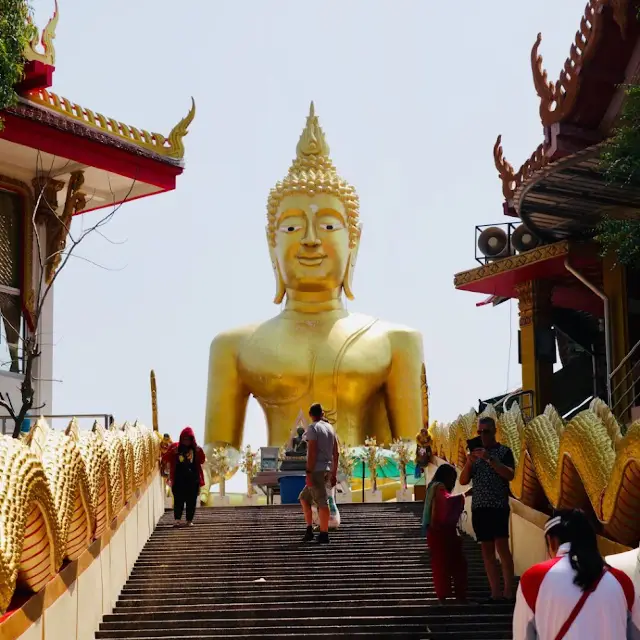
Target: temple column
(614, 282)
(537, 342)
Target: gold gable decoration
(48, 54)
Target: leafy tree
(620, 161)
(621, 157)
(622, 237)
(15, 31)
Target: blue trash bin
(25, 427)
(290, 488)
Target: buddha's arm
(226, 394)
(404, 391)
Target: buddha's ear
(347, 284)
(280, 286)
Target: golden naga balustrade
(586, 463)
(59, 491)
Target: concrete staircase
(243, 573)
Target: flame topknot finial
(312, 141)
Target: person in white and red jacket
(575, 595)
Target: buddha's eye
(290, 228)
(331, 225)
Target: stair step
(182, 611)
(373, 581)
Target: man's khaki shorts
(317, 492)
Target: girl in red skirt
(442, 510)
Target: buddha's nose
(310, 237)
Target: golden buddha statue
(367, 374)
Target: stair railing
(627, 384)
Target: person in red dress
(442, 510)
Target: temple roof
(40, 58)
(32, 110)
(119, 161)
(559, 191)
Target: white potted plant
(372, 459)
(220, 466)
(402, 450)
(249, 465)
(346, 464)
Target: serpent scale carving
(59, 490)
(586, 463)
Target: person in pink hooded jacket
(185, 459)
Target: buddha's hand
(212, 472)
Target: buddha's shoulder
(232, 339)
(396, 333)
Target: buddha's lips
(311, 261)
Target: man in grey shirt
(322, 471)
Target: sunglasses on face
(484, 431)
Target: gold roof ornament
(31, 53)
(171, 146)
(512, 180)
(176, 145)
(557, 99)
(312, 172)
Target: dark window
(10, 294)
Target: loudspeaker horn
(494, 243)
(522, 239)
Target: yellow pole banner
(154, 400)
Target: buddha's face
(312, 242)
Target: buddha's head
(313, 229)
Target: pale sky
(411, 95)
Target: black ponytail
(444, 473)
(584, 555)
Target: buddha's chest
(285, 361)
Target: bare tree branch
(49, 272)
(5, 406)
(110, 241)
(76, 242)
(97, 264)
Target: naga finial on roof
(557, 99)
(48, 57)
